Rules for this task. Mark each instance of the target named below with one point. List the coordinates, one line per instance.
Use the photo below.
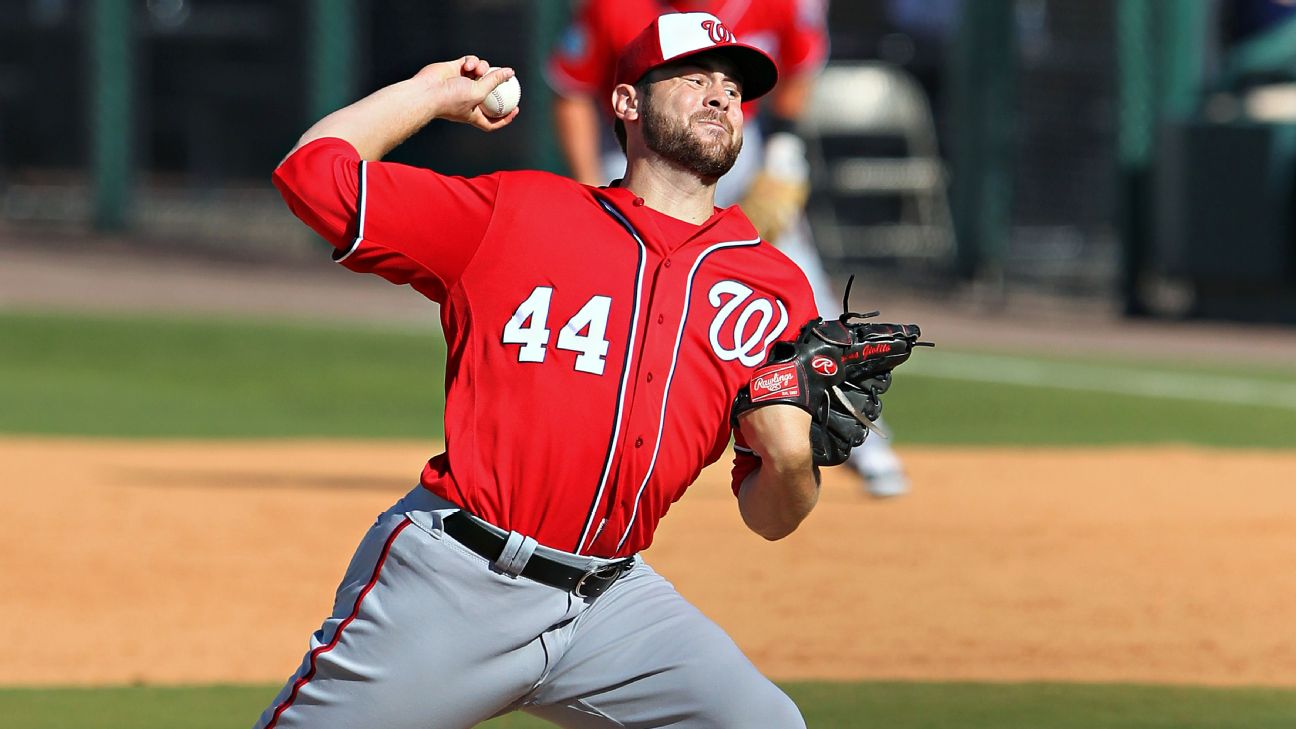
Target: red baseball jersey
(792, 32)
(594, 344)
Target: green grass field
(176, 378)
(826, 705)
(157, 377)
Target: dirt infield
(200, 562)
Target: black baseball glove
(835, 370)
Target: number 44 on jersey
(529, 327)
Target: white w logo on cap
(717, 31)
(681, 33)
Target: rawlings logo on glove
(777, 382)
(823, 365)
(836, 371)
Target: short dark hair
(618, 126)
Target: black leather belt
(545, 570)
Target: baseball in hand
(503, 99)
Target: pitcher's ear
(625, 102)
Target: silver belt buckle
(607, 570)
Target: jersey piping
(625, 377)
(670, 376)
(313, 662)
(362, 197)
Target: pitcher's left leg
(642, 656)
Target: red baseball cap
(676, 36)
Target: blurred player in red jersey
(596, 340)
(769, 180)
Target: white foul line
(1100, 378)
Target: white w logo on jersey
(727, 331)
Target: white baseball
(503, 99)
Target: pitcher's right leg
(422, 634)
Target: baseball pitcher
(603, 345)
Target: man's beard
(680, 144)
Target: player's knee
(777, 710)
(761, 705)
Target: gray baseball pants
(425, 634)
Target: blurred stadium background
(1136, 154)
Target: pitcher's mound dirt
(202, 562)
